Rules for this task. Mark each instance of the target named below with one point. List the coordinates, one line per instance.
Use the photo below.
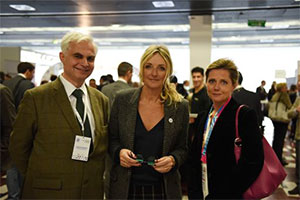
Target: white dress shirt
(69, 88)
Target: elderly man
(59, 139)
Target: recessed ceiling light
(22, 7)
(163, 4)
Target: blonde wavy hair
(168, 90)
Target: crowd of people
(120, 140)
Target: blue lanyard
(211, 126)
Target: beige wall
(200, 41)
(9, 59)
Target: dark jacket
(121, 135)
(251, 99)
(8, 115)
(18, 86)
(226, 179)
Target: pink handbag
(272, 173)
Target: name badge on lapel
(81, 148)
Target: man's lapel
(64, 105)
(95, 106)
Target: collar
(122, 80)
(20, 74)
(238, 87)
(69, 87)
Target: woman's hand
(164, 164)
(127, 159)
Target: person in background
(199, 101)
(251, 99)
(215, 174)
(135, 84)
(260, 90)
(186, 85)
(103, 81)
(272, 90)
(21, 82)
(92, 83)
(18, 86)
(293, 93)
(179, 87)
(125, 75)
(147, 133)
(280, 127)
(110, 78)
(53, 77)
(294, 114)
(59, 138)
(8, 114)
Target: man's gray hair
(76, 37)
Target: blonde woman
(147, 133)
(280, 127)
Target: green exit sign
(260, 23)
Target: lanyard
(210, 123)
(81, 121)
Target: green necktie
(80, 108)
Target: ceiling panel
(230, 19)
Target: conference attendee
(18, 85)
(125, 75)
(53, 77)
(92, 83)
(59, 139)
(280, 126)
(272, 90)
(251, 99)
(103, 81)
(260, 90)
(294, 114)
(215, 174)
(8, 114)
(21, 82)
(199, 101)
(147, 133)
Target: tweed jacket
(18, 86)
(122, 133)
(226, 178)
(8, 115)
(42, 143)
(111, 89)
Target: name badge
(204, 180)
(81, 148)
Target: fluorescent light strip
(180, 27)
(163, 4)
(22, 7)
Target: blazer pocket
(49, 184)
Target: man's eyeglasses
(150, 161)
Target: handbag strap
(237, 121)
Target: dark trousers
(280, 130)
